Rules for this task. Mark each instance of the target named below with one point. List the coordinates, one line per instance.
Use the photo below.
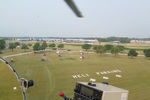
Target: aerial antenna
(72, 5)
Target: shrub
(132, 53)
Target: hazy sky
(102, 18)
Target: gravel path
(19, 54)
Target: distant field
(55, 75)
(73, 46)
(138, 47)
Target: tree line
(100, 49)
(13, 45)
(37, 46)
(120, 39)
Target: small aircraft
(72, 5)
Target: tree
(125, 40)
(121, 48)
(30, 44)
(12, 46)
(17, 43)
(115, 50)
(36, 46)
(102, 40)
(44, 45)
(108, 47)
(147, 52)
(86, 46)
(100, 49)
(99, 41)
(2, 45)
(132, 53)
(24, 46)
(60, 46)
(52, 45)
(95, 47)
(110, 39)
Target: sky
(53, 18)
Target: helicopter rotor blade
(72, 5)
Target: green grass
(7, 82)
(139, 49)
(73, 46)
(15, 51)
(55, 74)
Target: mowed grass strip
(55, 74)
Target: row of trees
(12, 45)
(109, 39)
(114, 50)
(108, 48)
(2, 45)
(37, 46)
(147, 52)
(103, 49)
(133, 53)
(99, 48)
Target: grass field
(15, 51)
(7, 82)
(55, 74)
